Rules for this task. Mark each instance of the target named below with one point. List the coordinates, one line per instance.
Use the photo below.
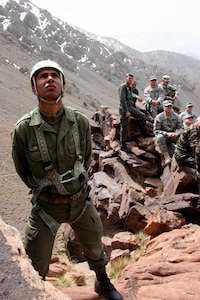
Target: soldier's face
(129, 80)
(153, 83)
(165, 82)
(188, 121)
(48, 83)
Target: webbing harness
(53, 177)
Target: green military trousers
(39, 238)
(124, 121)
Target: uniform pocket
(34, 226)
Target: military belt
(59, 199)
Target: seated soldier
(188, 111)
(197, 160)
(127, 109)
(167, 129)
(154, 96)
(185, 148)
(170, 91)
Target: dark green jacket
(61, 147)
(125, 98)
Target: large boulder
(18, 278)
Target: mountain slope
(95, 66)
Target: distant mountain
(183, 43)
(94, 65)
(176, 62)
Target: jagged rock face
(120, 181)
(169, 269)
(124, 186)
(18, 278)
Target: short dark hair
(129, 74)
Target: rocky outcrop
(132, 191)
(169, 269)
(133, 194)
(18, 279)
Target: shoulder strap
(78, 166)
(75, 130)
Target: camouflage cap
(167, 103)
(166, 78)
(188, 104)
(153, 77)
(188, 116)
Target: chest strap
(52, 177)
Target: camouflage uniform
(164, 124)
(186, 145)
(170, 91)
(197, 159)
(154, 94)
(79, 211)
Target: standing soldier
(52, 152)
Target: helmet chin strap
(49, 102)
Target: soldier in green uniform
(127, 108)
(51, 149)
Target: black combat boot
(125, 148)
(105, 288)
(146, 132)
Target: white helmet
(45, 64)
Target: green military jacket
(126, 98)
(61, 147)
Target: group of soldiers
(174, 133)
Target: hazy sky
(115, 17)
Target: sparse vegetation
(66, 280)
(115, 269)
